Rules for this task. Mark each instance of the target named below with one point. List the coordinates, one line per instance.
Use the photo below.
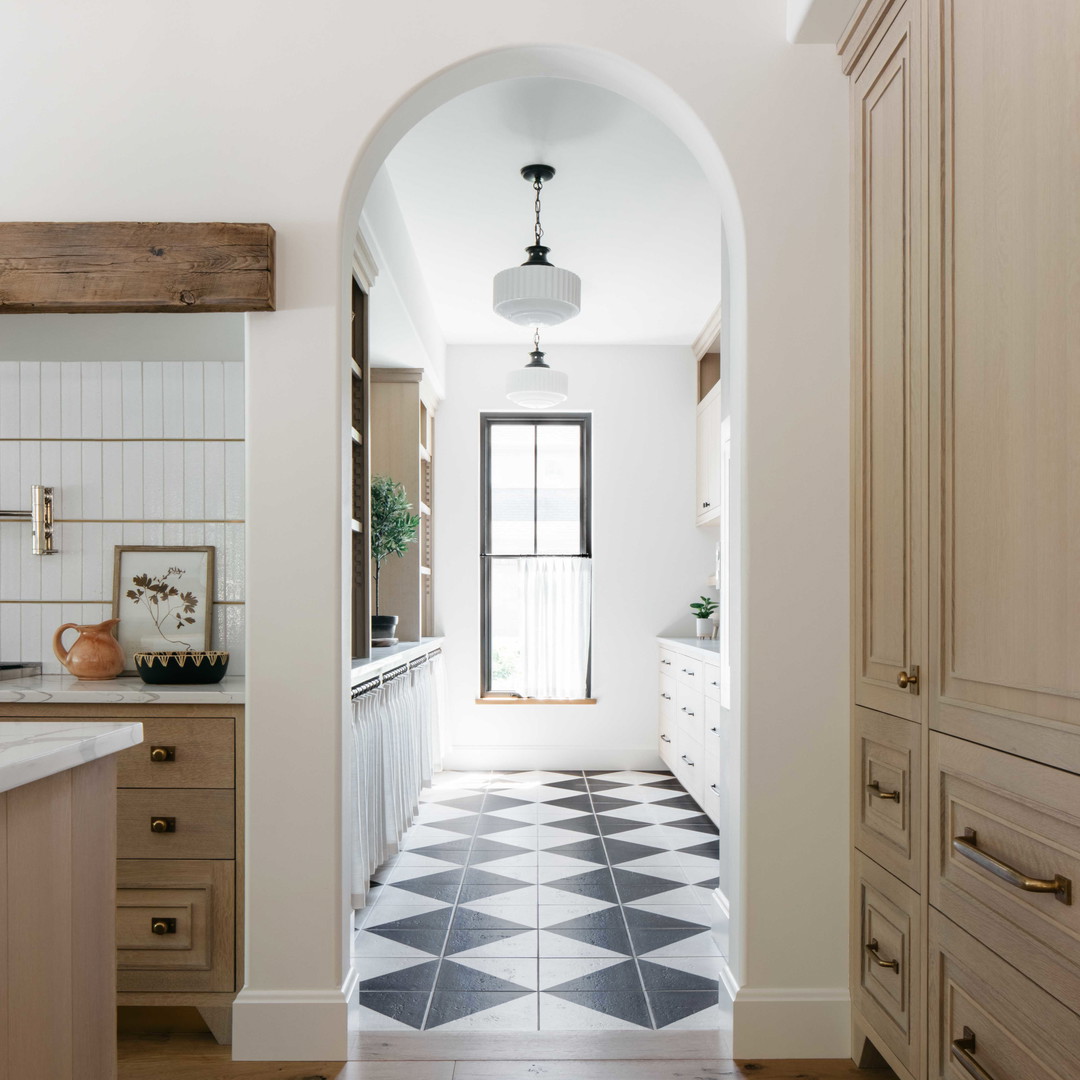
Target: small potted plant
(393, 529)
(703, 610)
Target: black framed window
(535, 555)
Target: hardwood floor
(198, 1057)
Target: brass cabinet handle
(664, 738)
(688, 761)
(875, 787)
(162, 926)
(162, 753)
(967, 845)
(872, 949)
(163, 824)
(909, 680)
(963, 1053)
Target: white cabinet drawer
(690, 672)
(690, 766)
(667, 697)
(669, 662)
(690, 711)
(711, 677)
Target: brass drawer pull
(664, 738)
(966, 845)
(163, 824)
(872, 949)
(162, 926)
(875, 787)
(909, 680)
(963, 1053)
(162, 753)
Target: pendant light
(537, 293)
(537, 386)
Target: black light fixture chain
(538, 231)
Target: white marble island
(128, 690)
(58, 896)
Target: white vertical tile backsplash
(137, 453)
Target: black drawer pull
(872, 949)
(967, 845)
(963, 1053)
(715, 789)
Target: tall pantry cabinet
(966, 536)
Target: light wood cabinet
(966, 523)
(403, 448)
(180, 888)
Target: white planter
(703, 628)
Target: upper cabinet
(1005, 373)
(889, 371)
(709, 441)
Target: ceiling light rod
(536, 293)
(538, 175)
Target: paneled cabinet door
(1005, 416)
(889, 371)
(708, 457)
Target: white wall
(259, 112)
(649, 559)
(136, 453)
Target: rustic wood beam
(114, 266)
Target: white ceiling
(629, 210)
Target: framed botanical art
(163, 597)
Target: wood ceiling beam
(78, 267)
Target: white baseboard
(292, 1025)
(788, 1022)
(555, 758)
(722, 903)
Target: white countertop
(33, 749)
(382, 660)
(67, 690)
(710, 648)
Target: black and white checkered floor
(545, 901)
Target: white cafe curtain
(556, 626)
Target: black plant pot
(383, 630)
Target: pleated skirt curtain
(397, 745)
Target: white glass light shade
(537, 387)
(537, 295)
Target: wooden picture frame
(184, 575)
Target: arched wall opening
(634, 83)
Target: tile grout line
(622, 910)
(454, 908)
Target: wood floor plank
(665, 1070)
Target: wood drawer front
(667, 696)
(203, 754)
(204, 823)
(711, 676)
(690, 673)
(200, 896)
(1020, 1032)
(1024, 815)
(889, 1000)
(887, 754)
(690, 711)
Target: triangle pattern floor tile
(410, 977)
(628, 1006)
(698, 823)
(610, 826)
(587, 850)
(596, 884)
(442, 886)
(578, 783)
(583, 823)
(661, 977)
(609, 918)
(428, 941)
(574, 802)
(668, 782)
(680, 802)
(671, 1006)
(642, 884)
(456, 976)
(622, 851)
(639, 918)
(709, 850)
(613, 977)
(464, 826)
(456, 851)
(603, 785)
(448, 1006)
(406, 1008)
(439, 919)
(470, 919)
(613, 939)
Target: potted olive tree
(393, 529)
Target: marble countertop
(67, 690)
(381, 660)
(712, 648)
(33, 749)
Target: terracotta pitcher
(96, 654)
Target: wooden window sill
(533, 701)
